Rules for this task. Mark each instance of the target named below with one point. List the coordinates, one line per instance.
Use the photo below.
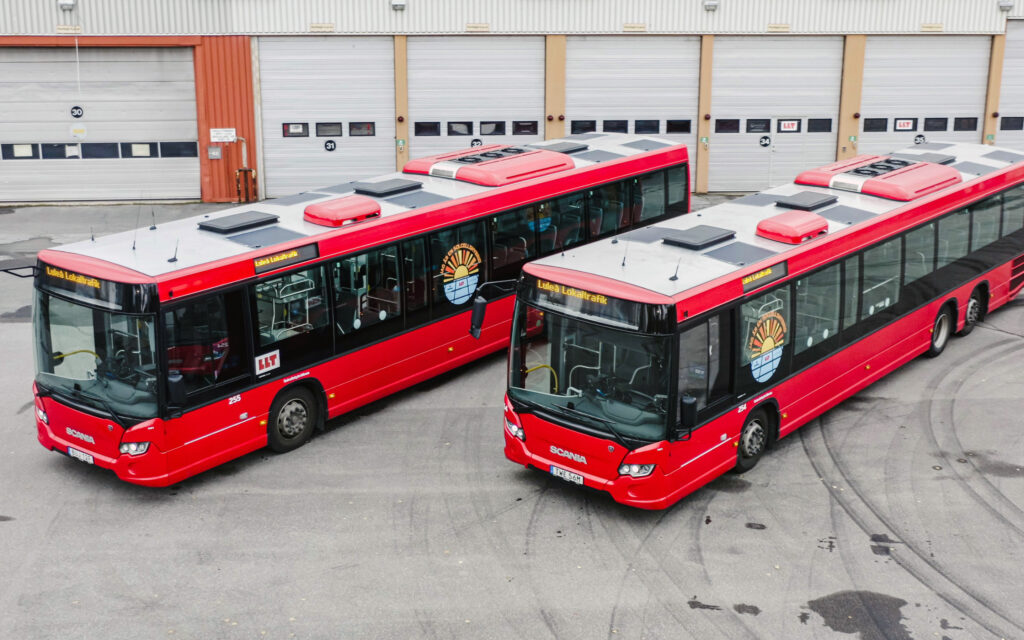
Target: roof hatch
(492, 166)
(895, 178)
(793, 227)
(238, 221)
(386, 188)
(340, 211)
(700, 237)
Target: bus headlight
(636, 470)
(515, 429)
(134, 448)
(42, 415)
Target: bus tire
(974, 313)
(753, 440)
(293, 416)
(941, 330)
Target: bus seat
(549, 239)
(569, 234)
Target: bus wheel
(940, 332)
(753, 441)
(292, 419)
(974, 313)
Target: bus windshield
(102, 359)
(590, 374)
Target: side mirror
(477, 319)
(176, 393)
(687, 417)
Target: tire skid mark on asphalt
(870, 519)
(946, 440)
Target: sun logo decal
(765, 345)
(460, 271)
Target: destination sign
(572, 292)
(131, 298)
(764, 276)
(70, 276)
(285, 258)
(588, 304)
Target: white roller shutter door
(923, 88)
(327, 108)
(1011, 97)
(774, 108)
(634, 84)
(488, 89)
(135, 137)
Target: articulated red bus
(649, 364)
(165, 351)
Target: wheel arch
(315, 387)
(770, 407)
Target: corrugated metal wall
(216, 17)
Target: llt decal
(268, 361)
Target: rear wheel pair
(944, 324)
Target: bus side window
(851, 291)
(293, 317)
(881, 287)
(514, 241)
(693, 364)
(456, 266)
(678, 190)
(415, 281)
(985, 222)
(366, 294)
(817, 308)
(567, 218)
(648, 198)
(1013, 210)
(205, 342)
(954, 231)
(606, 209)
(919, 255)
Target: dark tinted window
(985, 219)
(178, 149)
(876, 124)
(292, 318)
(367, 297)
(759, 125)
(819, 125)
(954, 232)
(566, 215)
(965, 124)
(817, 308)
(427, 128)
(103, 149)
(677, 126)
(1013, 210)
(492, 128)
(615, 126)
(646, 126)
(919, 254)
(328, 129)
(524, 127)
(648, 200)
(357, 129)
(880, 288)
(936, 124)
(463, 128)
(1011, 124)
(58, 151)
(607, 209)
(416, 282)
(514, 240)
(727, 126)
(678, 190)
(583, 126)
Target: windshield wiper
(113, 414)
(582, 414)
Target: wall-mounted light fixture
(67, 5)
(398, 5)
(1006, 5)
(711, 5)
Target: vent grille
(1017, 272)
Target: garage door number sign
(77, 112)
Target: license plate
(80, 455)
(565, 474)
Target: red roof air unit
(793, 227)
(340, 211)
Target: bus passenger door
(705, 374)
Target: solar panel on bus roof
(936, 158)
(1004, 156)
(386, 188)
(846, 214)
(805, 200)
(586, 136)
(417, 199)
(345, 187)
(739, 253)
(265, 237)
(598, 156)
(238, 221)
(646, 144)
(646, 234)
(757, 199)
(296, 198)
(562, 147)
(933, 145)
(974, 167)
(696, 238)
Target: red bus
(165, 351)
(647, 365)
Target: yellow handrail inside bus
(545, 366)
(71, 353)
